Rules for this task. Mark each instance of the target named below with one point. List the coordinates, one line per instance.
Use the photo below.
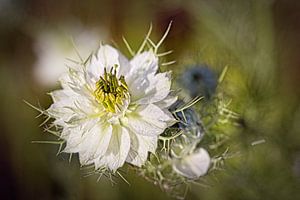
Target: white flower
(54, 47)
(194, 165)
(113, 110)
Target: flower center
(110, 91)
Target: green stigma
(111, 91)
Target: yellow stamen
(111, 91)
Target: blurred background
(258, 41)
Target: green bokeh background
(259, 42)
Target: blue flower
(199, 80)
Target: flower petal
(141, 64)
(107, 56)
(117, 151)
(75, 135)
(167, 102)
(140, 146)
(68, 110)
(149, 120)
(72, 140)
(152, 111)
(59, 95)
(150, 89)
(95, 143)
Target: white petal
(167, 102)
(148, 120)
(140, 146)
(72, 140)
(72, 78)
(144, 63)
(146, 127)
(69, 106)
(108, 57)
(193, 166)
(117, 151)
(103, 142)
(152, 111)
(75, 135)
(60, 111)
(65, 80)
(59, 95)
(151, 89)
(94, 143)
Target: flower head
(200, 80)
(112, 110)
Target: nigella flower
(200, 81)
(112, 110)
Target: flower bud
(194, 165)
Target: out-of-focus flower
(194, 165)
(54, 48)
(200, 81)
(112, 110)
